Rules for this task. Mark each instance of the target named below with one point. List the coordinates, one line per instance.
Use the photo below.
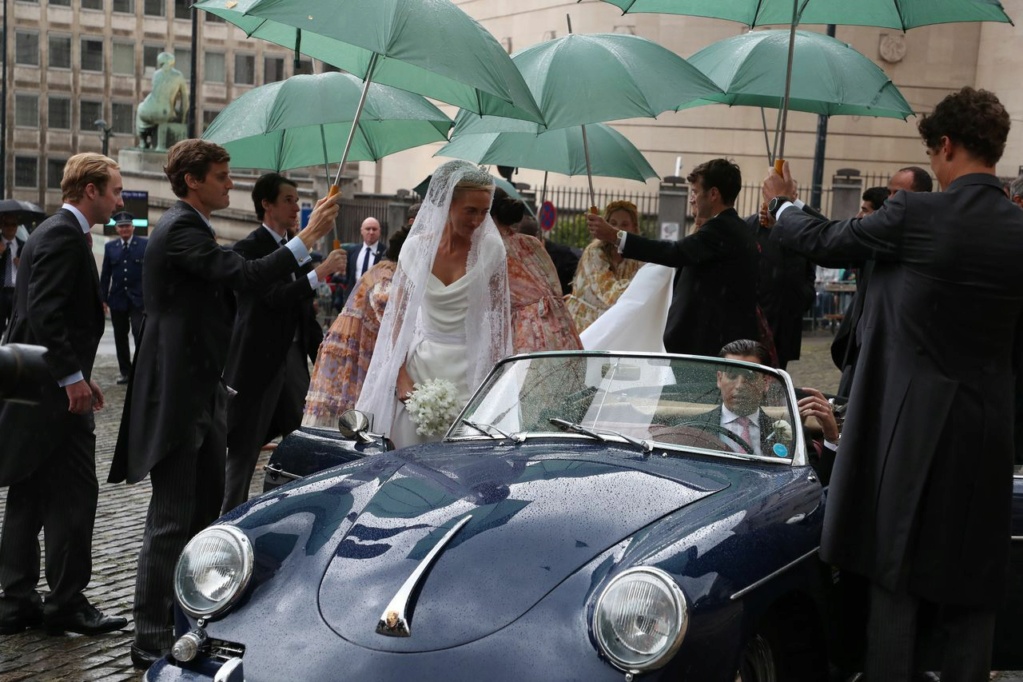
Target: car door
(1008, 652)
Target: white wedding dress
(438, 348)
(636, 321)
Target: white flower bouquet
(432, 406)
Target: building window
(92, 55)
(273, 69)
(150, 53)
(304, 66)
(153, 8)
(26, 171)
(60, 3)
(327, 68)
(88, 114)
(124, 120)
(183, 60)
(60, 113)
(126, 6)
(60, 52)
(90, 4)
(54, 172)
(214, 67)
(207, 118)
(26, 48)
(26, 111)
(213, 18)
(244, 69)
(124, 59)
(182, 9)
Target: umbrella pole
(355, 123)
(589, 173)
(326, 159)
(767, 138)
(543, 193)
(788, 80)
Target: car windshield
(722, 406)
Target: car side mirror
(353, 425)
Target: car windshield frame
(465, 431)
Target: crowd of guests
(221, 366)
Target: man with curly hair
(921, 492)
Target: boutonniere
(782, 430)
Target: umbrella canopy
(828, 77)
(305, 120)
(557, 151)
(429, 47)
(23, 211)
(580, 79)
(897, 14)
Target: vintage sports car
(589, 516)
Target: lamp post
(3, 109)
(105, 132)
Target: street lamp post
(105, 132)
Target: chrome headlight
(213, 571)
(640, 619)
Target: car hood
(533, 521)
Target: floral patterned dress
(345, 353)
(539, 317)
(598, 283)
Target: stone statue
(165, 108)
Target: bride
(448, 314)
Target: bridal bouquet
(432, 406)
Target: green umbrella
(579, 79)
(897, 14)
(430, 47)
(828, 77)
(305, 120)
(557, 151)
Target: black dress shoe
(85, 621)
(143, 659)
(21, 622)
(121, 380)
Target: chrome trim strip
(1017, 537)
(393, 622)
(749, 588)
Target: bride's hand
(405, 385)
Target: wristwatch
(619, 236)
(775, 204)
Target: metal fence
(358, 208)
(573, 203)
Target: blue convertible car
(589, 516)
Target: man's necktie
(365, 262)
(124, 245)
(284, 241)
(744, 426)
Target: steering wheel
(721, 431)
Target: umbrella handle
(779, 166)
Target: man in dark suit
(174, 422)
(10, 253)
(361, 259)
(920, 498)
(715, 298)
(49, 449)
(275, 330)
(120, 286)
(786, 288)
(845, 348)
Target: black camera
(22, 372)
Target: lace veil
(488, 319)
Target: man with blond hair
(49, 457)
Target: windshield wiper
(488, 429)
(565, 425)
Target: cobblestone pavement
(118, 536)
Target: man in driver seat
(743, 392)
